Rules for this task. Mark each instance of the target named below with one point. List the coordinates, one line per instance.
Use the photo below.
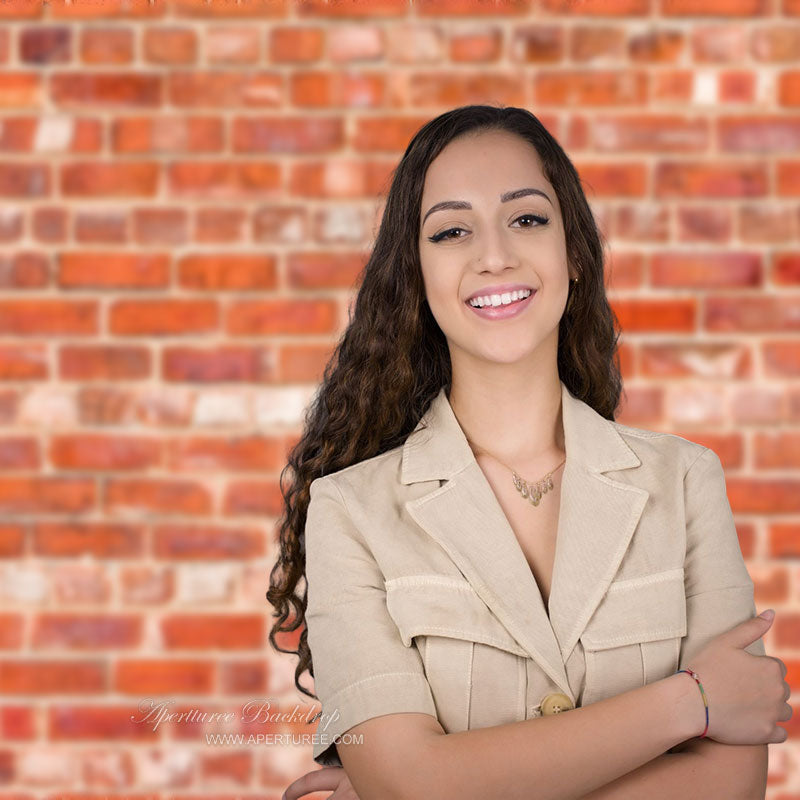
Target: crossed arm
(698, 769)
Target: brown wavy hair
(393, 359)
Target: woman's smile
(504, 310)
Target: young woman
(484, 547)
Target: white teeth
(499, 299)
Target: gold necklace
(531, 491)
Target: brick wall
(187, 193)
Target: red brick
(17, 722)
(656, 315)
(12, 627)
(207, 542)
(20, 362)
(97, 539)
(224, 631)
(662, 46)
(316, 270)
(225, 89)
(788, 178)
(287, 134)
(98, 362)
(228, 271)
(784, 540)
(45, 316)
(239, 9)
(715, 8)
(85, 630)
(167, 134)
(224, 179)
(169, 45)
(162, 496)
(240, 677)
(252, 452)
(781, 359)
(589, 42)
(476, 47)
(778, 450)
(21, 90)
(704, 224)
(789, 88)
(706, 270)
(94, 179)
(605, 8)
(12, 541)
(113, 270)
(50, 44)
(106, 46)
(19, 452)
(152, 677)
(105, 89)
(21, 9)
(90, 451)
(25, 180)
(50, 495)
(730, 180)
(163, 317)
(747, 314)
(214, 365)
(439, 88)
(779, 43)
(255, 318)
(385, 133)
(302, 363)
(351, 8)
(655, 133)
(105, 723)
(295, 44)
(763, 495)
(721, 361)
(326, 89)
(595, 88)
(614, 180)
(260, 498)
(24, 270)
(52, 677)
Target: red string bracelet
(696, 677)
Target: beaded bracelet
(694, 675)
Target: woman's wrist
(683, 694)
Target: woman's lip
(503, 312)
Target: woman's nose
(495, 251)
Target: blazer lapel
(597, 517)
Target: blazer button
(556, 703)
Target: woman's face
(492, 247)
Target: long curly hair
(393, 359)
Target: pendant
(533, 492)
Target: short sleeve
(719, 590)
(362, 669)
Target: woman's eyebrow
(460, 205)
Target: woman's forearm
(705, 769)
(563, 756)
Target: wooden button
(556, 703)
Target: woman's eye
(540, 220)
(446, 234)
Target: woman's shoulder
(371, 473)
(659, 446)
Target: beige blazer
(421, 599)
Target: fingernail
(768, 614)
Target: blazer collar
(597, 517)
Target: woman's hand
(320, 780)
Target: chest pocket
(634, 636)
(475, 668)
